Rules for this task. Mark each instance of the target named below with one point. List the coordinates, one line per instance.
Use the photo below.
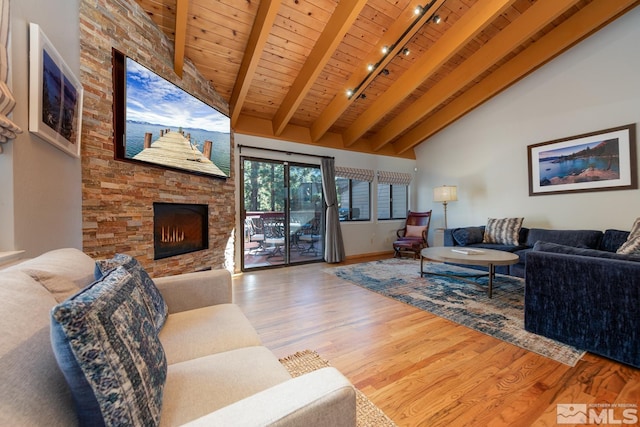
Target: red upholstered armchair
(412, 237)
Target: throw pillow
(632, 245)
(503, 231)
(613, 239)
(156, 304)
(414, 230)
(468, 235)
(108, 350)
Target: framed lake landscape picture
(597, 161)
(55, 95)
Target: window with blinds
(393, 195)
(354, 193)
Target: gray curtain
(334, 246)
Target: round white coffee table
(461, 255)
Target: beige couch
(218, 372)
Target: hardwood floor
(421, 370)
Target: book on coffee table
(468, 251)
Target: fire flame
(172, 235)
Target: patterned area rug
(367, 414)
(457, 300)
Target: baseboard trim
(368, 255)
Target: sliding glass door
(282, 213)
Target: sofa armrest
(195, 290)
(322, 398)
(590, 303)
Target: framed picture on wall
(55, 95)
(596, 161)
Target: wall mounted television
(158, 123)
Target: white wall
(361, 237)
(591, 87)
(40, 195)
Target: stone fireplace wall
(118, 197)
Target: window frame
(350, 196)
(391, 217)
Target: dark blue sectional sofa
(578, 290)
(609, 241)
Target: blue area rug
(459, 301)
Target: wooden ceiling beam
(341, 20)
(477, 18)
(525, 26)
(261, 127)
(265, 17)
(583, 23)
(341, 101)
(182, 9)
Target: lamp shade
(446, 193)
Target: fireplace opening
(179, 229)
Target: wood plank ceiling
(285, 66)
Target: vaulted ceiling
(285, 66)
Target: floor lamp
(445, 194)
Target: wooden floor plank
(420, 369)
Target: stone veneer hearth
(118, 196)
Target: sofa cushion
(570, 250)
(70, 263)
(522, 254)
(155, 303)
(60, 287)
(33, 391)
(576, 238)
(213, 329)
(106, 345)
(497, 247)
(468, 235)
(613, 239)
(632, 245)
(504, 231)
(415, 230)
(197, 387)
